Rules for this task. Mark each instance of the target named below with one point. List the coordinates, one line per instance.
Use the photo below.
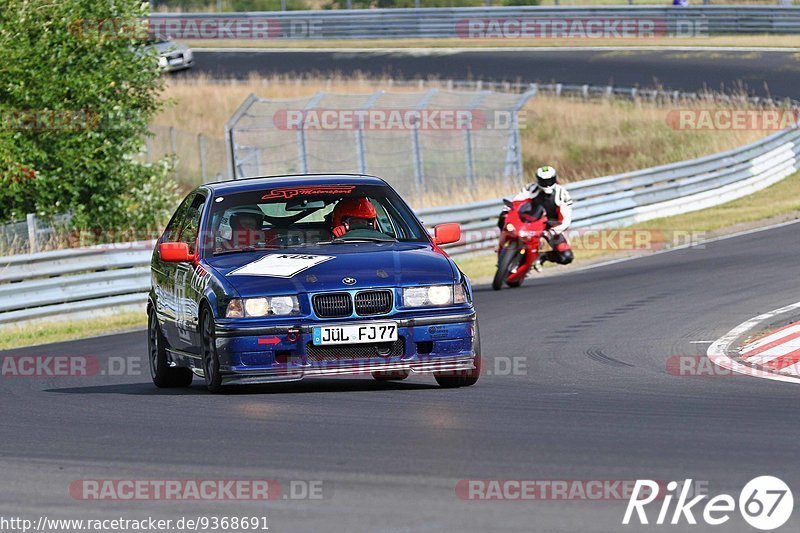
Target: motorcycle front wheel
(504, 262)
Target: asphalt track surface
(594, 402)
(758, 73)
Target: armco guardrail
(491, 22)
(633, 197)
(66, 281)
(61, 282)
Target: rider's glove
(550, 234)
(338, 231)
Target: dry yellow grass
(583, 139)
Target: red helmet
(353, 208)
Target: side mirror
(447, 233)
(174, 252)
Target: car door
(163, 274)
(189, 280)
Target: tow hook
(292, 334)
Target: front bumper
(435, 343)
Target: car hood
(324, 268)
(168, 47)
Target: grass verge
(722, 41)
(17, 336)
(775, 204)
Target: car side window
(385, 224)
(191, 224)
(173, 231)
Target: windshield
(294, 217)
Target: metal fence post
(201, 147)
(173, 141)
(513, 167)
(148, 146)
(302, 153)
(419, 171)
(32, 239)
(230, 145)
(361, 151)
(469, 156)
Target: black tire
(504, 262)
(163, 375)
(208, 351)
(463, 378)
(392, 375)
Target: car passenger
(246, 231)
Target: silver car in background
(173, 56)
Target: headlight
(163, 61)
(256, 307)
(283, 305)
(434, 296)
(269, 306)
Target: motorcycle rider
(557, 203)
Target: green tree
(78, 89)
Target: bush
(76, 98)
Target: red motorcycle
(520, 239)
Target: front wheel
(463, 378)
(162, 374)
(504, 262)
(209, 351)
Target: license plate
(176, 61)
(355, 333)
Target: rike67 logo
(765, 503)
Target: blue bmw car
(274, 279)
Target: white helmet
(545, 180)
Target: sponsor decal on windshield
(280, 265)
(291, 192)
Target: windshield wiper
(247, 249)
(342, 240)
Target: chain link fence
(430, 142)
(32, 234)
(198, 158)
